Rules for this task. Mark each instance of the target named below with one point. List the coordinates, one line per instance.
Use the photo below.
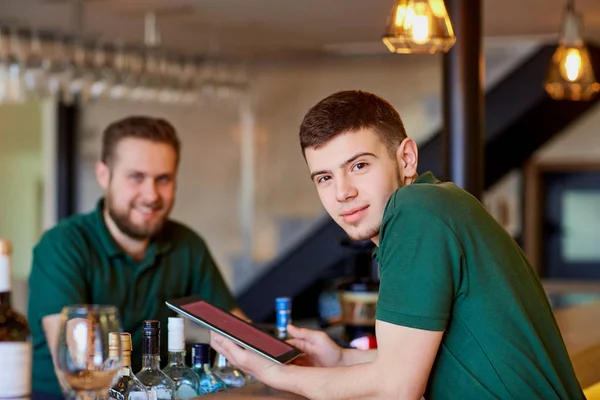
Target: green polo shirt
(447, 265)
(78, 261)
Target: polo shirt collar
(427, 178)
(160, 244)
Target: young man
(461, 314)
(126, 252)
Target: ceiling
(270, 29)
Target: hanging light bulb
(418, 26)
(571, 75)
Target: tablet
(243, 333)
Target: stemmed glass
(87, 370)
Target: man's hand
(248, 361)
(320, 350)
(240, 314)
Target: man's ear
(407, 157)
(102, 175)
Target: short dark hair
(351, 110)
(141, 127)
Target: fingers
(216, 343)
(299, 344)
(301, 333)
(224, 343)
(228, 348)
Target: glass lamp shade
(419, 27)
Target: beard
(128, 227)
(365, 234)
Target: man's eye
(323, 179)
(163, 179)
(358, 166)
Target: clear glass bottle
(232, 376)
(187, 382)
(15, 336)
(283, 316)
(128, 387)
(159, 385)
(209, 381)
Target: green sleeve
(209, 282)
(57, 275)
(420, 261)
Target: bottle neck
(282, 333)
(151, 345)
(5, 276)
(202, 367)
(126, 371)
(284, 317)
(151, 352)
(5, 300)
(150, 361)
(177, 358)
(221, 361)
(126, 359)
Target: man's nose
(345, 189)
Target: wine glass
(87, 367)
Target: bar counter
(580, 328)
(579, 325)
(252, 391)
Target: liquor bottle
(160, 386)
(128, 387)
(233, 377)
(209, 381)
(283, 316)
(187, 382)
(15, 336)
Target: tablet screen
(238, 328)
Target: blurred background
(235, 77)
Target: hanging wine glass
(56, 66)
(102, 75)
(120, 72)
(16, 86)
(189, 85)
(4, 60)
(34, 74)
(79, 73)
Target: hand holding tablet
(243, 333)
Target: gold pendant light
(418, 26)
(570, 75)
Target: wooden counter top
(253, 391)
(580, 328)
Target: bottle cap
(176, 340)
(5, 247)
(5, 267)
(125, 341)
(176, 324)
(200, 353)
(151, 327)
(283, 303)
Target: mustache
(155, 206)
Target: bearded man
(126, 253)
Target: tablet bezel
(177, 304)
